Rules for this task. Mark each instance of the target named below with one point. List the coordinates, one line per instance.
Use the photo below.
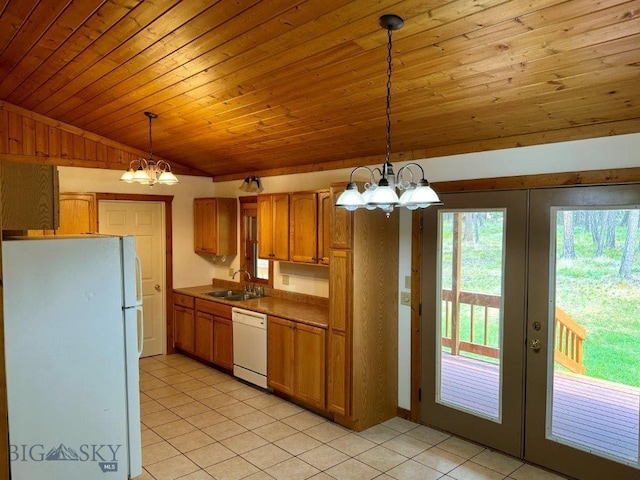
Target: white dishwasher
(250, 346)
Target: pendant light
(381, 193)
(149, 172)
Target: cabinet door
(265, 227)
(184, 328)
(309, 381)
(339, 342)
(204, 225)
(77, 213)
(29, 196)
(341, 221)
(304, 227)
(227, 226)
(280, 229)
(324, 226)
(204, 336)
(280, 354)
(215, 226)
(223, 342)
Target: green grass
(588, 289)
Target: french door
(531, 325)
(473, 309)
(583, 331)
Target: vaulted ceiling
(284, 86)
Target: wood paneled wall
(28, 137)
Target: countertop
(313, 315)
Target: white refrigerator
(72, 315)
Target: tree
(628, 252)
(568, 250)
(604, 230)
(471, 226)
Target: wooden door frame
(572, 179)
(167, 200)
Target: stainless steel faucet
(246, 286)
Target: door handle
(158, 287)
(535, 345)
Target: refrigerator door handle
(140, 320)
(138, 281)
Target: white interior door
(144, 220)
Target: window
(261, 271)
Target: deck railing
(569, 334)
(569, 338)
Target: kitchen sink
(233, 295)
(240, 296)
(225, 294)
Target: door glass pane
(470, 277)
(595, 374)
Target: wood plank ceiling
(283, 86)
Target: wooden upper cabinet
(304, 227)
(325, 208)
(215, 226)
(77, 213)
(273, 226)
(30, 196)
(341, 221)
(310, 227)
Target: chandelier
(149, 172)
(381, 192)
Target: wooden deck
(594, 414)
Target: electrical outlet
(231, 271)
(405, 298)
(285, 279)
(407, 282)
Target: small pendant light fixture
(149, 172)
(251, 184)
(381, 193)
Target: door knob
(158, 287)
(535, 345)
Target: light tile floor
(201, 424)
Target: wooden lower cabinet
(296, 360)
(223, 342)
(216, 330)
(184, 321)
(204, 336)
(280, 354)
(204, 329)
(309, 372)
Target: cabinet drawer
(183, 300)
(215, 308)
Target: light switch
(407, 282)
(285, 279)
(231, 271)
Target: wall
(190, 269)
